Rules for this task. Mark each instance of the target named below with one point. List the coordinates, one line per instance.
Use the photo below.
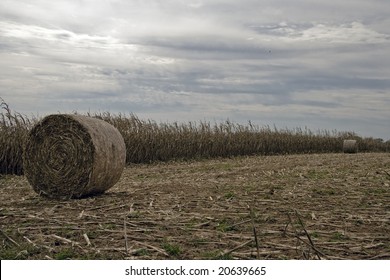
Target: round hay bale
(350, 146)
(73, 156)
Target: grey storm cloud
(320, 64)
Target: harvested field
(328, 206)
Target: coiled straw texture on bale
(72, 156)
(350, 146)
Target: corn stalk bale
(73, 156)
(350, 146)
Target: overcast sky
(320, 64)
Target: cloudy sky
(319, 64)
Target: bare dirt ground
(322, 206)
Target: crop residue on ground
(327, 206)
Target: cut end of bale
(72, 156)
(350, 146)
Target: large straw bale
(72, 156)
(350, 146)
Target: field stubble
(319, 206)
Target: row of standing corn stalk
(148, 141)
(14, 128)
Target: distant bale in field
(350, 146)
(72, 156)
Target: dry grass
(70, 156)
(320, 206)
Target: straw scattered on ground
(328, 206)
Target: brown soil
(322, 206)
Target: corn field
(148, 141)
(13, 132)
